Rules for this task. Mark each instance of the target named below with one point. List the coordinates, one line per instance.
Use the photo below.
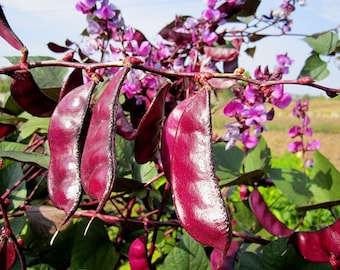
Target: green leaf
(46, 77)
(315, 68)
(245, 219)
(258, 158)
(325, 180)
(250, 261)
(251, 51)
(324, 43)
(124, 153)
(249, 9)
(249, 178)
(41, 267)
(10, 146)
(144, 172)
(93, 250)
(227, 162)
(32, 125)
(188, 254)
(293, 184)
(27, 157)
(9, 176)
(279, 255)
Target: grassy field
(325, 121)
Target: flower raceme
(300, 131)
(249, 110)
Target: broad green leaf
(9, 176)
(325, 180)
(251, 51)
(93, 250)
(46, 77)
(315, 68)
(144, 172)
(250, 261)
(27, 157)
(227, 162)
(245, 219)
(293, 184)
(249, 178)
(10, 146)
(33, 124)
(124, 153)
(249, 9)
(258, 158)
(6, 118)
(324, 43)
(188, 254)
(41, 267)
(279, 255)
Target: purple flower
(209, 37)
(232, 134)
(130, 89)
(91, 46)
(255, 115)
(106, 11)
(295, 147)
(249, 141)
(140, 50)
(93, 28)
(294, 131)
(282, 102)
(250, 93)
(233, 108)
(283, 60)
(314, 145)
(210, 3)
(211, 14)
(85, 6)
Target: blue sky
(37, 22)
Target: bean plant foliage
(109, 159)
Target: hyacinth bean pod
(220, 262)
(66, 131)
(188, 163)
(123, 127)
(98, 164)
(265, 217)
(7, 34)
(8, 254)
(137, 254)
(149, 129)
(74, 80)
(27, 94)
(318, 246)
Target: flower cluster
(281, 15)
(249, 110)
(300, 131)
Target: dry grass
(325, 121)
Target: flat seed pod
(74, 80)
(28, 95)
(8, 254)
(98, 164)
(149, 129)
(7, 33)
(66, 131)
(265, 217)
(137, 254)
(226, 262)
(318, 246)
(188, 162)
